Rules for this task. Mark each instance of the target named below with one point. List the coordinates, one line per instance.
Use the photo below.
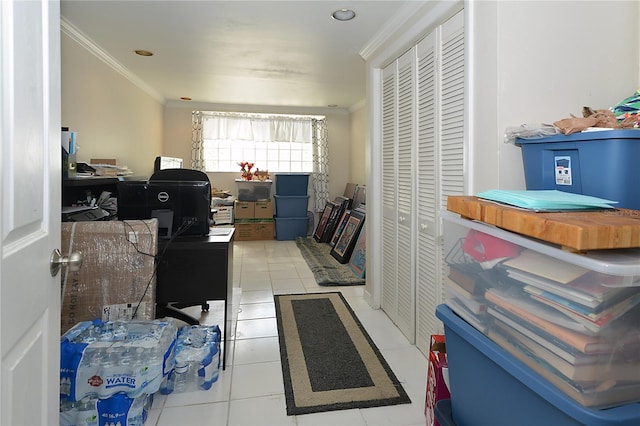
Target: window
(224, 155)
(277, 143)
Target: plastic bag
(630, 105)
(529, 131)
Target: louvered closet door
(427, 251)
(452, 108)
(406, 171)
(440, 152)
(389, 299)
(451, 155)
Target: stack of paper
(546, 200)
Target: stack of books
(575, 327)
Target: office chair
(180, 174)
(173, 309)
(183, 174)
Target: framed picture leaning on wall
(339, 228)
(359, 254)
(343, 248)
(324, 218)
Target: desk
(193, 270)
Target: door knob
(74, 261)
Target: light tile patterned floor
(250, 391)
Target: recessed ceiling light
(343, 15)
(185, 98)
(143, 52)
(332, 105)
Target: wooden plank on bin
(579, 231)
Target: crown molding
(258, 109)
(358, 105)
(79, 37)
(398, 20)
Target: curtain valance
(257, 128)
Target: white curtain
(320, 175)
(212, 125)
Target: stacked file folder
(546, 200)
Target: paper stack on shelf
(546, 200)
(107, 170)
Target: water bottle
(181, 377)
(137, 413)
(90, 335)
(120, 330)
(106, 332)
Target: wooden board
(578, 231)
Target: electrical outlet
(133, 237)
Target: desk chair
(183, 174)
(164, 277)
(180, 174)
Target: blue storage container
(253, 190)
(443, 413)
(490, 387)
(291, 205)
(288, 228)
(600, 163)
(292, 183)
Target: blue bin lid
(585, 136)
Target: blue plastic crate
(491, 387)
(601, 164)
(288, 228)
(443, 413)
(292, 183)
(291, 205)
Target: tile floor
(250, 391)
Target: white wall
(538, 62)
(359, 152)
(112, 117)
(177, 139)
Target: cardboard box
(263, 210)
(254, 231)
(110, 161)
(117, 278)
(244, 210)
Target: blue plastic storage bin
(443, 413)
(291, 205)
(292, 183)
(600, 163)
(490, 387)
(288, 228)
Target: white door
(406, 194)
(441, 71)
(388, 177)
(30, 162)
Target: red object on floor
(436, 386)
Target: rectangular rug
(327, 271)
(329, 362)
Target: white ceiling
(284, 53)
